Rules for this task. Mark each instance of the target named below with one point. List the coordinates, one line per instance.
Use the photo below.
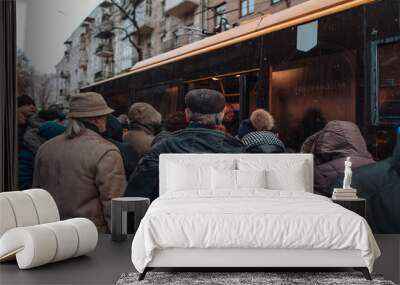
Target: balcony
(146, 26)
(104, 31)
(180, 8)
(178, 41)
(105, 50)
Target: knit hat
(24, 100)
(144, 114)
(262, 120)
(50, 130)
(205, 101)
(87, 105)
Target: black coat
(129, 156)
(114, 128)
(379, 183)
(194, 139)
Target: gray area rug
(269, 278)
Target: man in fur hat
(205, 113)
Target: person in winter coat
(144, 124)
(80, 169)
(379, 183)
(257, 134)
(113, 134)
(33, 139)
(114, 129)
(230, 123)
(331, 146)
(205, 112)
(25, 109)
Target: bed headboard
(269, 160)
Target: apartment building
(226, 14)
(101, 46)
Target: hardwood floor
(106, 264)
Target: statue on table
(347, 174)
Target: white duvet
(250, 219)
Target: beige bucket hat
(86, 105)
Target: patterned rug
(243, 278)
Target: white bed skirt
(177, 257)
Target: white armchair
(31, 230)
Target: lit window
(246, 7)
(275, 1)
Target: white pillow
(226, 179)
(281, 175)
(223, 179)
(251, 178)
(182, 177)
(293, 180)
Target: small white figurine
(347, 174)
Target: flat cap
(205, 101)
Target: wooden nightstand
(358, 206)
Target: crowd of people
(88, 156)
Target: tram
(320, 60)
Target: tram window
(229, 86)
(162, 97)
(166, 102)
(120, 103)
(389, 81)
(207, 84)
(305, 94)
(144, 95)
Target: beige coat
(82, 174)
(139, 140)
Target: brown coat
(330, 146)
(139, 140)
(82, 174)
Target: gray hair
(74, 128)
(205, 119)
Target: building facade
(103, 45)
(226, 14)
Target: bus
(316, 61)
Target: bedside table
(358, 206)
(126, 210)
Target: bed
(247, 211)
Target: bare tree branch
(132, 18)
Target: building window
(275, 1)
(219, 14)
(149, 7)
(246, 7)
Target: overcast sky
(44, 25)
